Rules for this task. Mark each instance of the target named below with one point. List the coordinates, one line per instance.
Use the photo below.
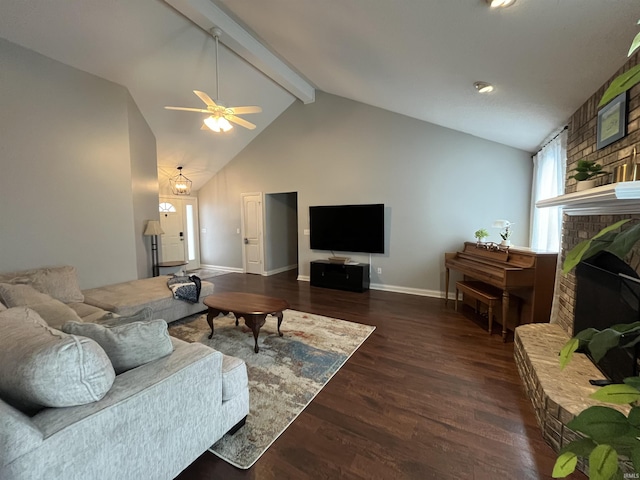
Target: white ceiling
(415, 57)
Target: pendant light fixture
(180, 185)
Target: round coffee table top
(249, 303)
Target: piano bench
(481, 292)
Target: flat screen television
(347, 228)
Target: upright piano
(517, 271)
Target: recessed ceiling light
(500, 3)
(483, 87)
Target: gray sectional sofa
(66, 414)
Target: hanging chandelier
(180, 185)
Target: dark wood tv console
(352, 277)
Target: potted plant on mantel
(609, 435)
(586, 171)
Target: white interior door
(252, 232)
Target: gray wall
(144, 184)
(438, 185)
(68, 170)
(281, 232)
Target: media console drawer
(354, 278)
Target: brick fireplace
(558, 396)
(581, 144)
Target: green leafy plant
(587, 169)
(481, 233)
(624, 81)
(609, 434)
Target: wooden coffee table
(250, 306)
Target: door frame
(261, 234)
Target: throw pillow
(130, 345)
(53, 311)
(113, 319)
(59, 282)
(2, 307)
(44, 367)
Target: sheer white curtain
(549, 166)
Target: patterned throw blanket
(185, 288)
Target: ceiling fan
(219, 115)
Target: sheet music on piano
(517, 271)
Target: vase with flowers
(506, 231)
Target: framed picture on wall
(612, 121)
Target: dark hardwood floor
(430, 395)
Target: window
(166, 207)
(191, 245)
(549, 166)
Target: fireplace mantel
(615, 198)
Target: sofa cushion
(234, 377)
(2, 307)
(44, 367)
(111, 319)
(87, 313)
(127, 298)
(59, 282)
(53, 311)
(129, 345)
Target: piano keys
(517, 271)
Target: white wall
(438, 185)
(66, 170)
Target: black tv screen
(347, 228)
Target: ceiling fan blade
(187, 109)
(240, 121)
(245, 110)
(205, 98)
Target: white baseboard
(408, 290)
(397, 289)
(280, 270)
(224, 269)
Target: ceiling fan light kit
(219, 116)
(180, 185)
(217, 124)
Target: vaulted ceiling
(419, 58)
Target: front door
(252, 232)
(171, 221)
(181, 240)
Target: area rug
(284, 376)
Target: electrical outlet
(379, 271)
